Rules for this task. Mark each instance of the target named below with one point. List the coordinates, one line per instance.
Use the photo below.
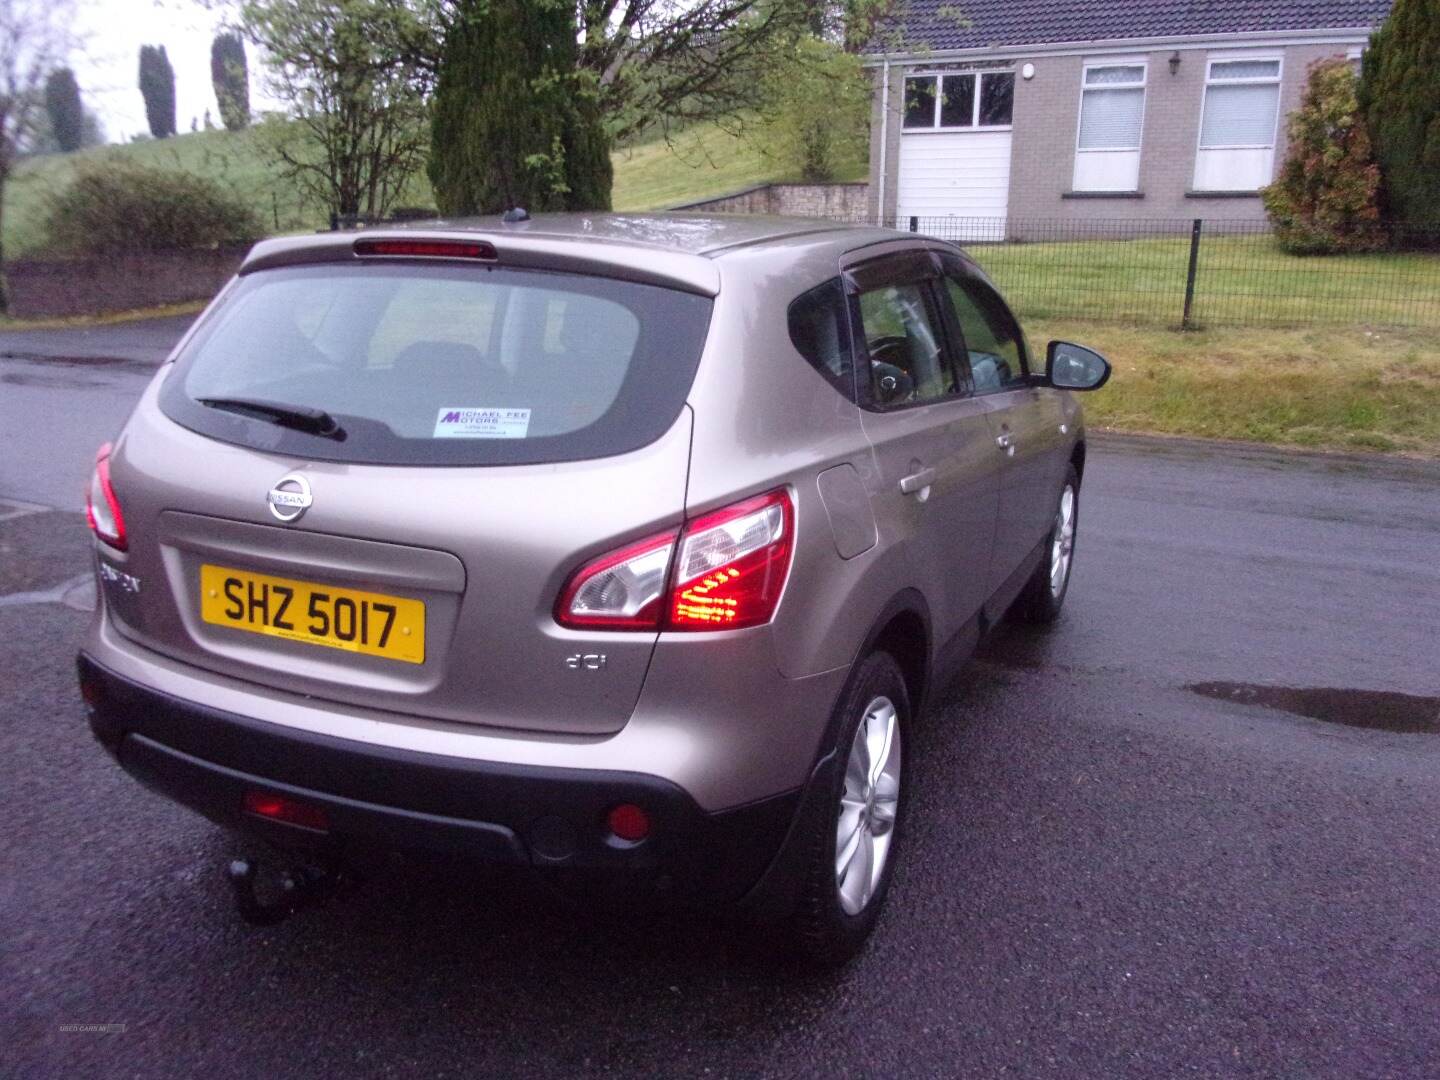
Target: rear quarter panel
(764, 418)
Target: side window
(992, 340)
(903, 346)
(820, 331)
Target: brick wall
(1047, 112)
(48, 288)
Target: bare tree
(652, 61)
(35, 37)
(683, 60)
(358, 128)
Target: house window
(920, 102)
(997, 99)
(970, 99)
(1112, 113)
(1237, 125)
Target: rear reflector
(291, 812)
(91, 691)
(628, 822)
(427, 249)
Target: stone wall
(838, 202)
(92, 285)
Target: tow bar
(299, 886)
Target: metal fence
(1194, 273)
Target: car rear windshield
(403, 363)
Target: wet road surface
(143, 340)
(1106, 872)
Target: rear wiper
(299, 417)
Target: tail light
(619, 591)
(732, 565)
(729, 573)
(102, 509)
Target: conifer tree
(1400, 98)
(515, 123)
(157, 87)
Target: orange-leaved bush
(1327, 197)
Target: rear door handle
(917, 481)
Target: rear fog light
(290, 811)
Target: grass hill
(695, 164)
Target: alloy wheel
(869, 800)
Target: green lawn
(701, 162)
(233, 160)
(698, 164)
(1241, 280)
(1333, 388)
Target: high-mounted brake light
(432, 249)
(732, 565)
(729, 573)
(102, 508)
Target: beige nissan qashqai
(626, 548)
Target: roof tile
(974, 24)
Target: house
(1077, 109)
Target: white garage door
(955, 174)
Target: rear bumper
(382, 798)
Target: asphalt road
(63, 392)
(1106, 874)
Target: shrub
(116, 207)
(818, 113)
(1400, 97)
(1327, 196)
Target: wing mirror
(1074, 367)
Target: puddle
(1380, 710)
(77, 593)
(54, 382)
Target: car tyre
(1044, 594)
(843, 891)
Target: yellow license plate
(362, 622)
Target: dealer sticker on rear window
(452, 423)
